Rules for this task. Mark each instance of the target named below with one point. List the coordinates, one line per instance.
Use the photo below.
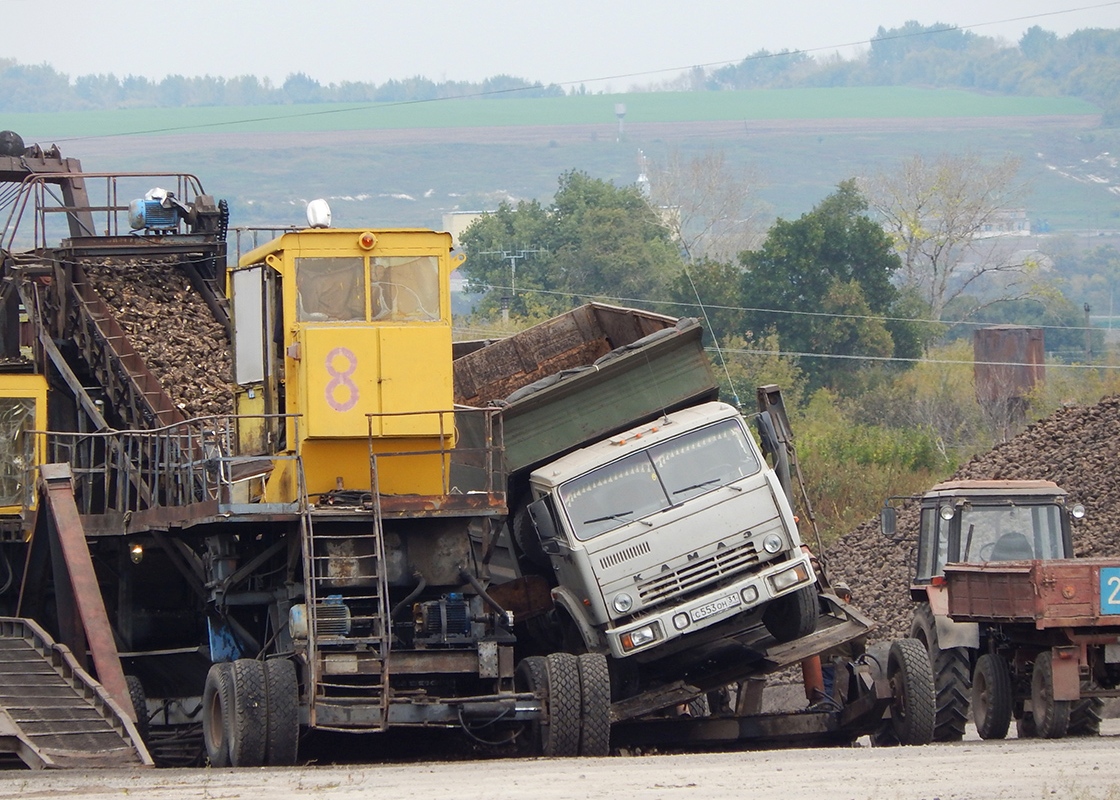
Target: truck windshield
(658, 477)
(992, 533)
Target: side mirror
(542, 520)
(888, 521)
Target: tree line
(1083, 64)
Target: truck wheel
(1085, 716)
(250, 715)
(595, 713)
(140, 706)
(792, 616)
(1051, 717)
(952, 676)
(911, 679)
(217, 710)
(565, 701)
(992, 703)
(526, 539)
(282, 712)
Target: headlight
(639, 637)
(1078, 511)
(622, 602)
(791, 577)
(772, 543)
(681, 621)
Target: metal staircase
(52, 713)
(347, 612)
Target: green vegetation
(873, 102)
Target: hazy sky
(601, 43)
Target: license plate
(716, 606)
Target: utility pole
(513, 256)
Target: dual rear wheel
(250, 713)
(575, 693)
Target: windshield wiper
(620, 516)
(700, 485)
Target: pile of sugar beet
(1077, 448)
(172, 329)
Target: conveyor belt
(52, 713)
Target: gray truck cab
(671, 529)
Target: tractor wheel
(913, 708)
(217, 713)
(992, 703)
(1085, 716)
(952, 677)
(281, 712)
(1051, 717)
(792, 616)
(250, 714)
(595, 701)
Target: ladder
(348, 617)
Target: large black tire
(952, 676)
(282, 712)
(565, 704)
(250, 716)
(992, 701)
(1085, 716)
(217, 714)
(140, 706)
(913, 705)
(792, 616)
(1051, 717)
(595, 711)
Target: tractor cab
(982, 521)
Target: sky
(602, 44)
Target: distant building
(1007, 222)
(455, 222)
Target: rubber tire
(792, 616)
(140, 706)
(992, 701)
(1025, 728)
(913, 709)
(1085, 716)
(250, 717)
(595, 705)
(217, 712)
(531, 675)
(1051, 717)
(281, 747)
(952, 676)
(565, 701)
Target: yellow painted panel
(416, 376)
(338, 380)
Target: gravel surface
(1071, 769)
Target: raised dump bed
(581, 376)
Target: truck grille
(727, 561)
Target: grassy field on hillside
(839, 103)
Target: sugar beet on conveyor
(52, 713)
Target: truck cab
(663, 537)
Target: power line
(750, 309)
(574, 83)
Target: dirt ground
(1070, 769)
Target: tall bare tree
(708, 204)
(943, 216)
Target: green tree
(823, 282)
(595, 241)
